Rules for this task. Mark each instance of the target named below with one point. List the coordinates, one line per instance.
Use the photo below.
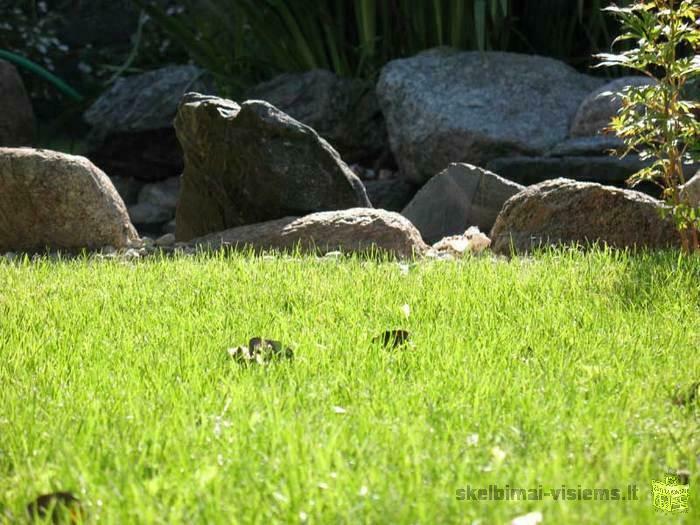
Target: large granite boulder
(132, 123)
(599, 107)
(562, 211)
(58, 201)
(16, 115)
(344, 111)
(356, 230)
(457, 198)
(444, 106)
(252, 163)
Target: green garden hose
(43, 73)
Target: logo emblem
(670, 495)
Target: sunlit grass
(115, 384)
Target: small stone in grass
(393, 338)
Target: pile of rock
(460, 143)
(133, 140)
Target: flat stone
(357, 230)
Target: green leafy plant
(244, 41)
(655, 120)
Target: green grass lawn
(116, 385)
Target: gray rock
(146, 215)
(602, 169)
(166, 240)
(58, 201)
(169, 227)
(163, 194)
(16, 115)
(599, 107)
(444, 106)
(344, 111)
(594, 146)
(144, 102)
(252, 163)
(564, 211)
(457, 198)
(691, 190)
(390, 194)
(132, 123)
(128, 188)
(356, 230)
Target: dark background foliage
(90, 43)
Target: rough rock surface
(444, 106)
(391, 194)
(164, 193)
(352, 230)
(155, 205)
(251, 163)
(691, 190)
(58, 201)
(132, 123)
(601, 169)
(455, 199)
(343, 111)
(606, 169)
(16, 115)
(587, 146)
(128, 188)
(562, 211)
(599, 107)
